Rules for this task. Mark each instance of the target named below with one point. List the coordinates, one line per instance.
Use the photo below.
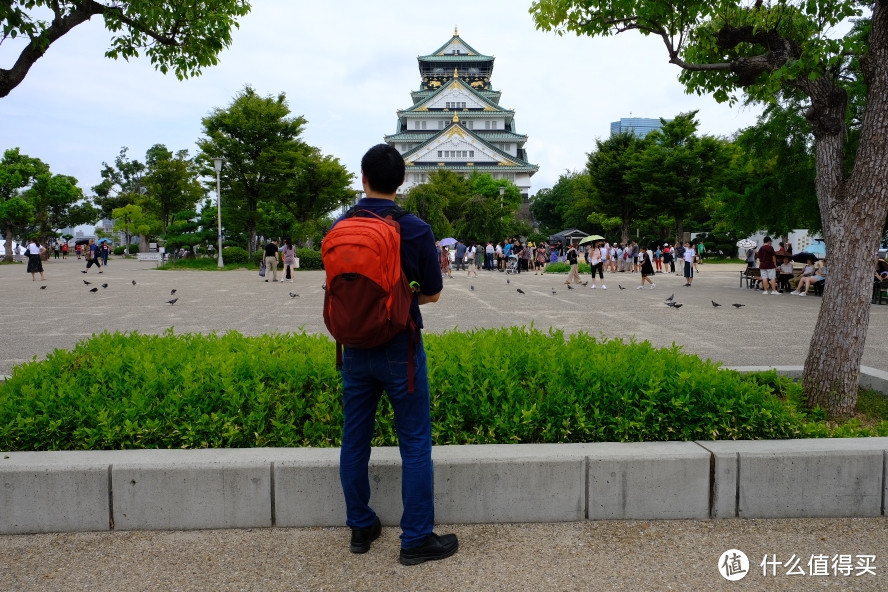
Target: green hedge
(119, 391)
(235, 255)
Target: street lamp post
(217, 164)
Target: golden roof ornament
(455, 31)
(455, 118)
(456, 72)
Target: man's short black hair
(384, 168)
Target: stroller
(512, 264)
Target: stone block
(799, 478)
(648, 481)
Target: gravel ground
(582, 556)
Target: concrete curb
(264, 487)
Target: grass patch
(203, 264)
(129, 390)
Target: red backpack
(368, 297)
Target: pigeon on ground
(737, 305)
(173, 291)
(620, 287)
(104, 285)
(134, 282)
(292, 295)
(173, 301)
(677, 305)
(86, 282)
(94, 290)
(520, 291)
(586, 283)
(472, 287)
(553, 291)
(715, 304)
(42, 287)
(671, 297)
(569, 287)
(507, 281)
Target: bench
(752, 275)
(880, 292)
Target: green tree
(262, 149)
(728, 48)
(430, 200)
(172, 183)
(616, 190)
(17, 172)
(184, 36)
(58, 203)
(677, 170)
(773, 176)
(318, 185)
(132, 221)
(566, 205)
(122, 184)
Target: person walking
(64, 250)
(106, 250)
(596, 265)
(92, 256)
(572, 259)
(291, 262)
(35, 263)
(271, 260)
(646, 268)
(366, 373)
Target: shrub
(309, 259)
(234, 255)
(120, 250)
(199, 391)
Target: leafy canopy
(182, 36)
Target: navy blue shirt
(419, 259)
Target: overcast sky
(346, 66)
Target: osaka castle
(456, 122)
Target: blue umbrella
(104, 240)
(818, 247)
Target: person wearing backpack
(368, 371)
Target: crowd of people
(514, 256)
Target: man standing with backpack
(357, 273)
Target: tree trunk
(853, 214)
(8, 246)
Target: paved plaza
(612, 556)
(768, 330)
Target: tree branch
(37, 46)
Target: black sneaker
(362, 537)
(434, 547)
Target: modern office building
(456, 122)
(640, 126)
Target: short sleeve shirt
(766, 257)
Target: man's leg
(360, 396)
(413, 424)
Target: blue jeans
(365, 374)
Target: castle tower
(456, 122)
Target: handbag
(262, 270)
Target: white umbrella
(446, 242)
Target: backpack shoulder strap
(395, 212)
